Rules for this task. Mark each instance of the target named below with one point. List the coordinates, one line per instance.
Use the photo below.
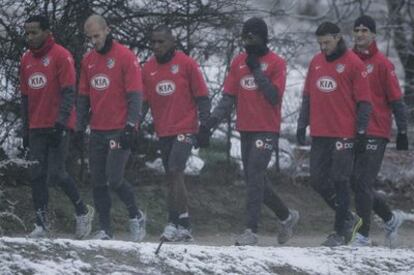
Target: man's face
(96, 34)
(35, 36)
(251, 42)
(328, 43)
(363, 37)
(161, 43)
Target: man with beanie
(336, 105)
(110, 99)
(47, 84)
(256, 80)
(386, 99)
(177, 94)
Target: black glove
(126, 138)
(203, 137)
(402, 142)
(301, 136)
(55, 137)
(252, 61)
(360, 144)
(78, 139)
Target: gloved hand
(203, 137)
(360, 144)
(58, 132)
(126, 138)
(78, 139)
(402, 142)
(252, 61)
(301, 136)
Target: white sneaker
(170, 232)
(84, 223)
(183, 234)
(247, 238)
(39, 232)
(101, 235)
(137, 228)
(360, 241)
(391, 228)
(286, 227)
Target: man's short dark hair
(41, 19)
(163, 28)
(366, 21)
(327, 28)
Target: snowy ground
(64, 256)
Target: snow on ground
(64, 256)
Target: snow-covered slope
(64, 256)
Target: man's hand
(252, 61)
(301, 136)
(402, 142)
(55, 137)
(360, 144)
(203, 137)
(126, 138)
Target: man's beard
(258, 50)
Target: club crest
(45, 61)
(340, 68)
(110, 63)
(370, 68)
(263, 66)
(174, 69)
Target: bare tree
(401, 23)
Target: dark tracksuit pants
(49, 167)
(366, 168)
(175, 151)
(256, 151)
(107, 165)
(331, 162)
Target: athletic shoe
(334, 239)
(286, 227)
(170, 232)
(101, 235)
(84, 223)
(39, 232)
(137, 228)
(183, 234)
(247, 238)
(391, 228)
(360, 241)
(352, 226)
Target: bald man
(110, 87)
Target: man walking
(47, 84)
(111, 87)
(386, 100)
(336, 105)
(256, 80)
(177, 94)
